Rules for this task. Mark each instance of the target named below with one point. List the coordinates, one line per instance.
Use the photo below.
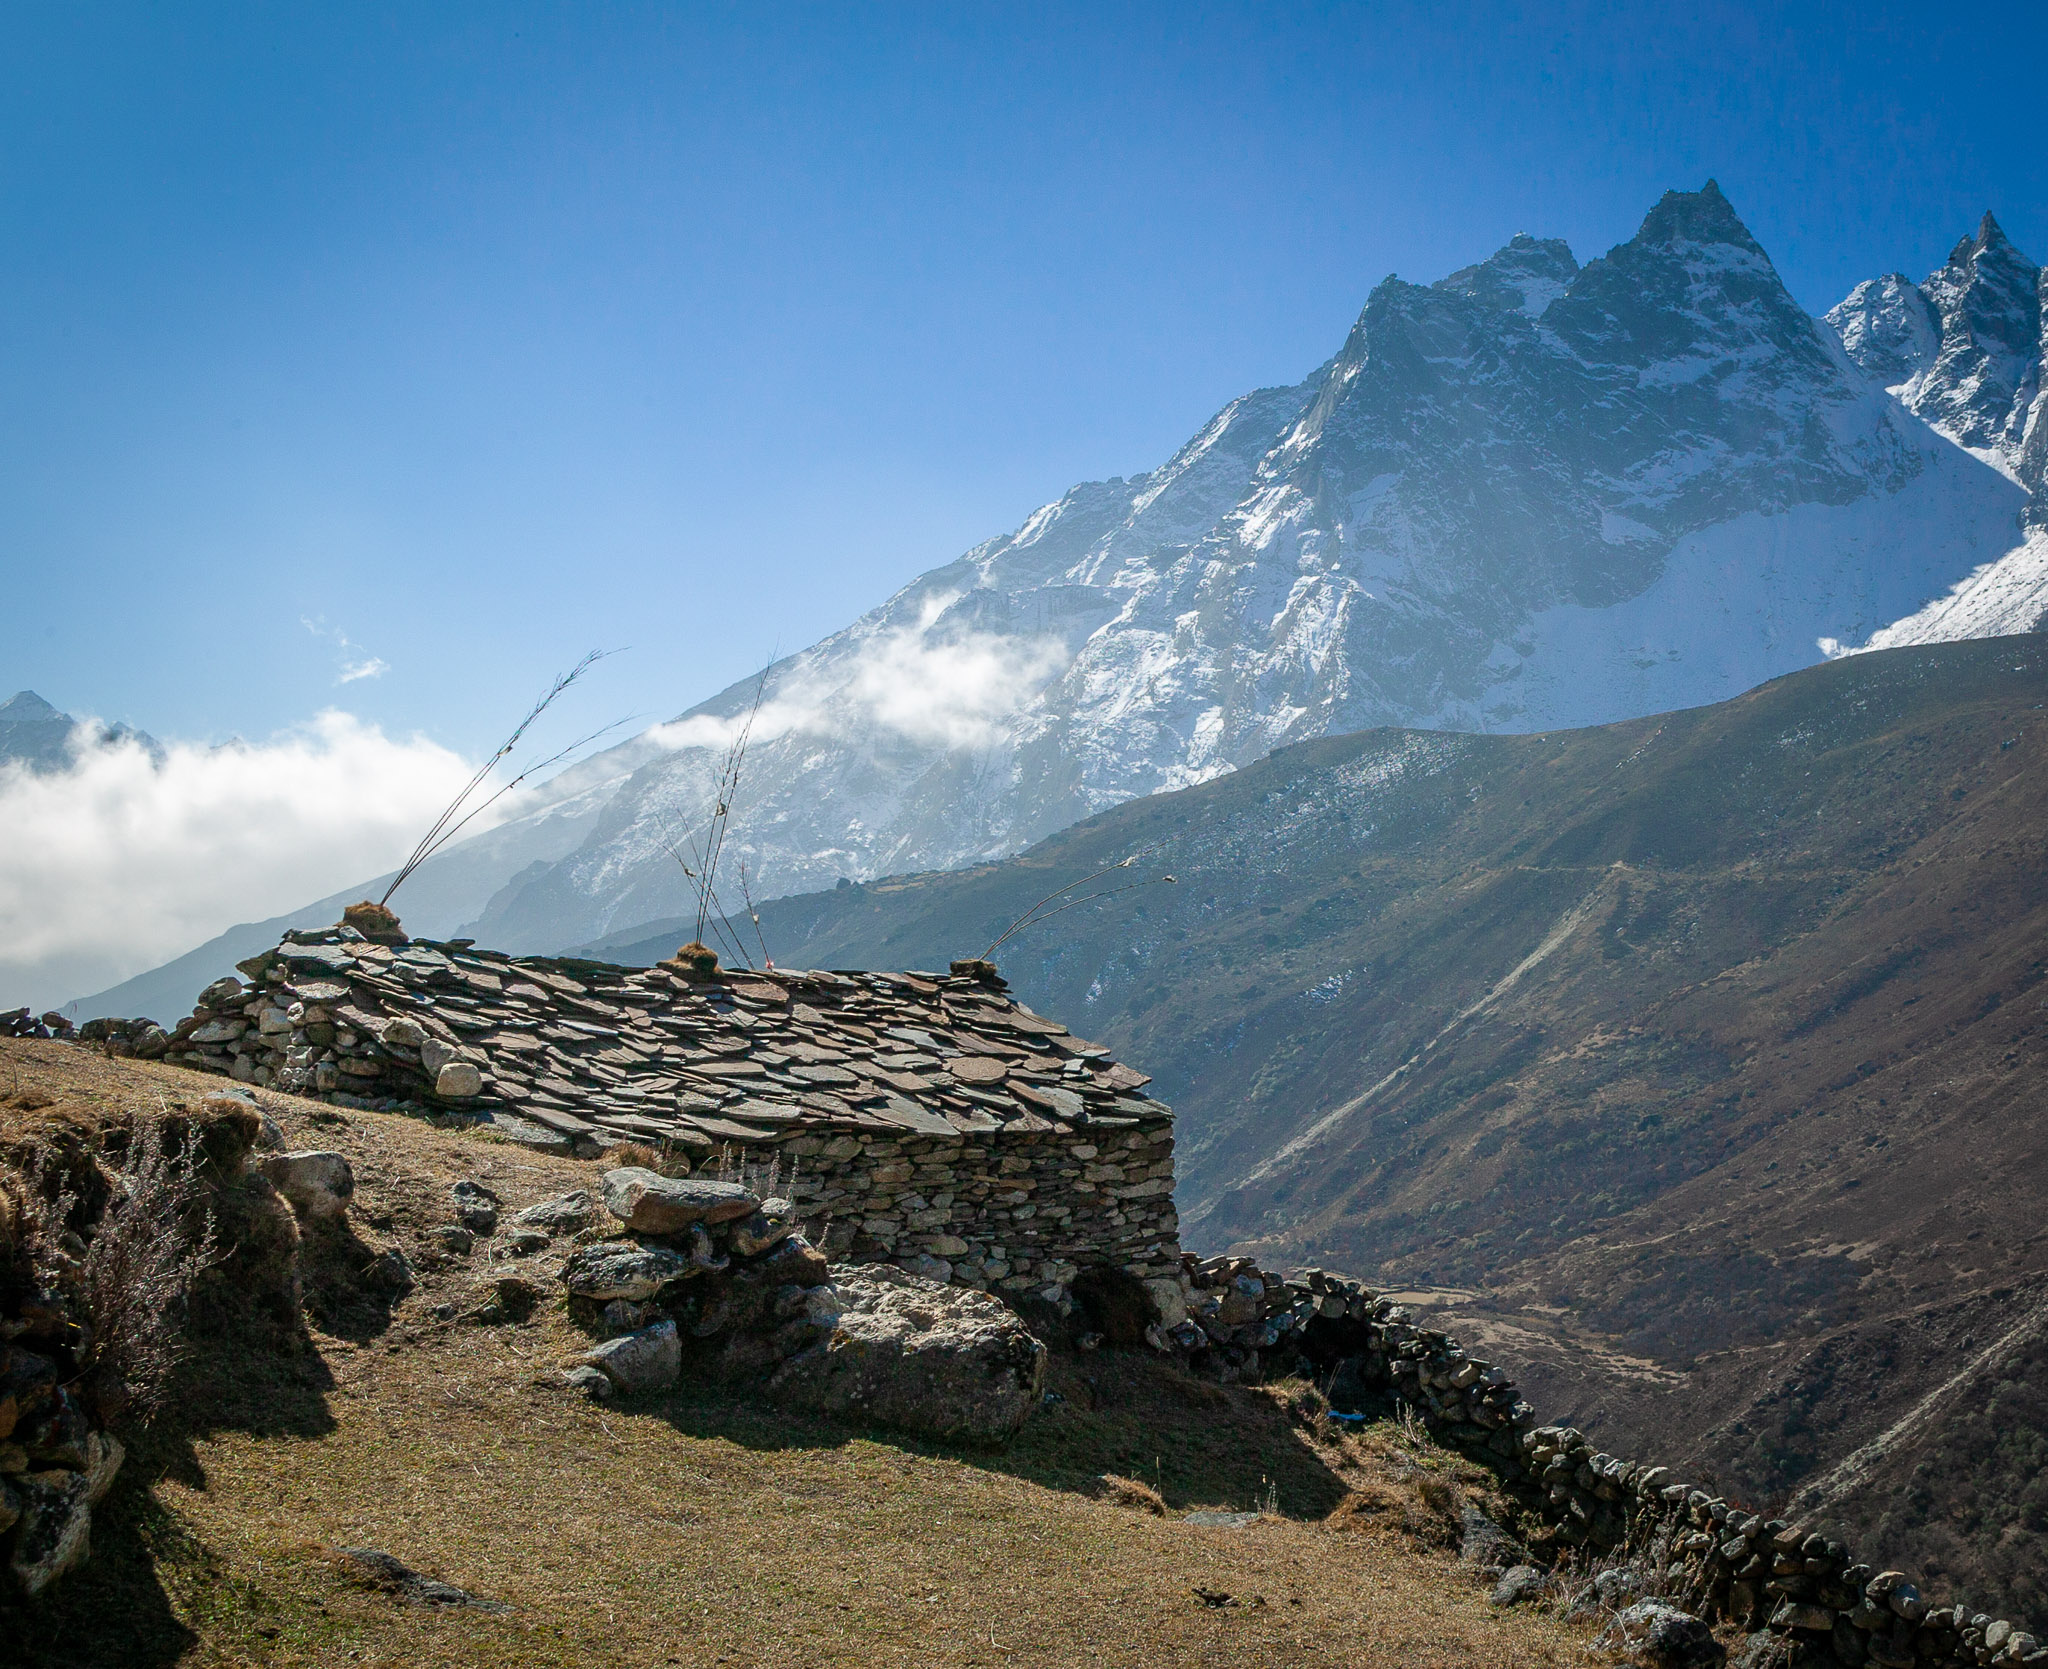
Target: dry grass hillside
(700, 1528)
(1696, 1063)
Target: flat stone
(650, 1203)
(564, 1214)
(623, 1269)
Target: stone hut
(925, 1119)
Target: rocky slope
(372, 1459)
(1691, 1060)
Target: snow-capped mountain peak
(1530, 494)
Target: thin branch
(1031, 916)
(444, 826)
(1086, 898)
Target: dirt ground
(702, 1527)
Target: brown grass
(705, 1528)
(1128, 1492)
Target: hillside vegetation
(701, 1527)
(1693, 1063)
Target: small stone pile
(931, 1120)
(20, 1022)
(1771, 1576)
(713, 1280)
(140, 1039)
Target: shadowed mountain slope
(1694, 1062)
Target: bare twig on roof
(453, 817)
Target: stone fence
(1774, 1578)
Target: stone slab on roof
(590, 1048)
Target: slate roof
(589, 1048)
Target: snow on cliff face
(1964, 351)
(1530, 494)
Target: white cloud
(951, 688)
(120, 862)
(366, 666)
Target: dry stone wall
(1818, 1604)
(1015, 1214)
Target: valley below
(1690, 1065)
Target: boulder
(317, 1184)
(1169, 1303)
(910, 1353)
(56, 1527)
(649, 1360)
(1522, 1582)
(564, 1214)
(623, 1269)
(1660, 1636)
(649, 1203)
(104, 1455)
(458, 1081)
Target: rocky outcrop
(910, 1353)
(713, 1281)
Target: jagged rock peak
(1704, 216)
(1988, 239)
(1525, 273)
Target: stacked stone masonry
(1766, 1574)
(924, 1119)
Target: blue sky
(479, 336)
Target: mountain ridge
(1530, 495)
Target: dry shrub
(697, 960)
(373, 921)
(1128, 1492)
(1421, 1508)
(669, 1159)
(152, 1241)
